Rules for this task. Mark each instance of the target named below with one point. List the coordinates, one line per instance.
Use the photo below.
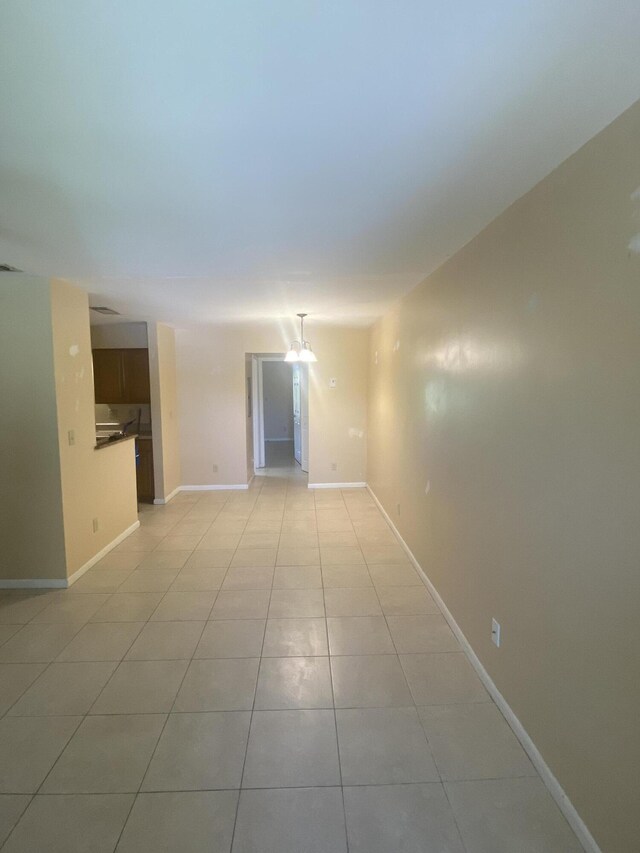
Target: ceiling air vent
(8, 268)
(102, 309)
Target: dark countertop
(107, 442)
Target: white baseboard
(214, 488)
(162, 501)
(553, 786)
(337, 485)
(63, 583)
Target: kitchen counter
(107, 442)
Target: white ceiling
(209, 160)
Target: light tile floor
(256, 672)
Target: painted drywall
(164, 409)
(119, 336)
(31, 526)
(211, 387)
(96, 484)
(504, 419)
(277, 393)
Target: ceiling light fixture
(300, 350)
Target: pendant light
(301, 350)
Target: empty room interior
(319, 436)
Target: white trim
(553, 786)
(214, 488)
(162, 501)
(63, 583)
(290, 440)
(337, 486)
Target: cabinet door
(144, 471)
(108, 375)
(136, 375)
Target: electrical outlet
(495, 633)
(215, 469)
(72, 437)
(95, 525)
(334, 466)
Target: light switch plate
(333, 383)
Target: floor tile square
(199, 752)
(212, 557)
(341, 556)
(294, 682)
(71, 609)
(119, 560)
(166, 641)
(241, 604)
(359, 635)
(296, 603)
(185, 821)
(291, 749)
(442, 679)
(383, 746)
(178, 543)
(426, 634)
(248, 577)
(18, 608)
(504, 815)
(184, 606)
(369, 681)
(359, 601)
(38, 643)
(106, 755)
(71, 824)
(297, 637)
(141, 687)
(29, 746)
(256, 557)
(298, 557)
(165, 560)
(406, 601)
(402, 574)
(297, 577)
(64, 688)
(221, 684)
(190, 579)
(149, 580)
(237, 638)
(384, 553)
(100, 641)
(411, 818)
(15, 678)
(12, 807)
(346, 577)
(282, 820)
(128, 607)
(102, 580)
(473, 742)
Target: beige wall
(51, 489)
(211, 386)
(95, 483)
(164, 409)
(119, 335)
(509, 384)
(31, 527)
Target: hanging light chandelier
(300, 350)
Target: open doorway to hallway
(280, 414)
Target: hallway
(259, 671)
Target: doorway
(281, 414)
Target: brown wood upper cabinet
(121, 375)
